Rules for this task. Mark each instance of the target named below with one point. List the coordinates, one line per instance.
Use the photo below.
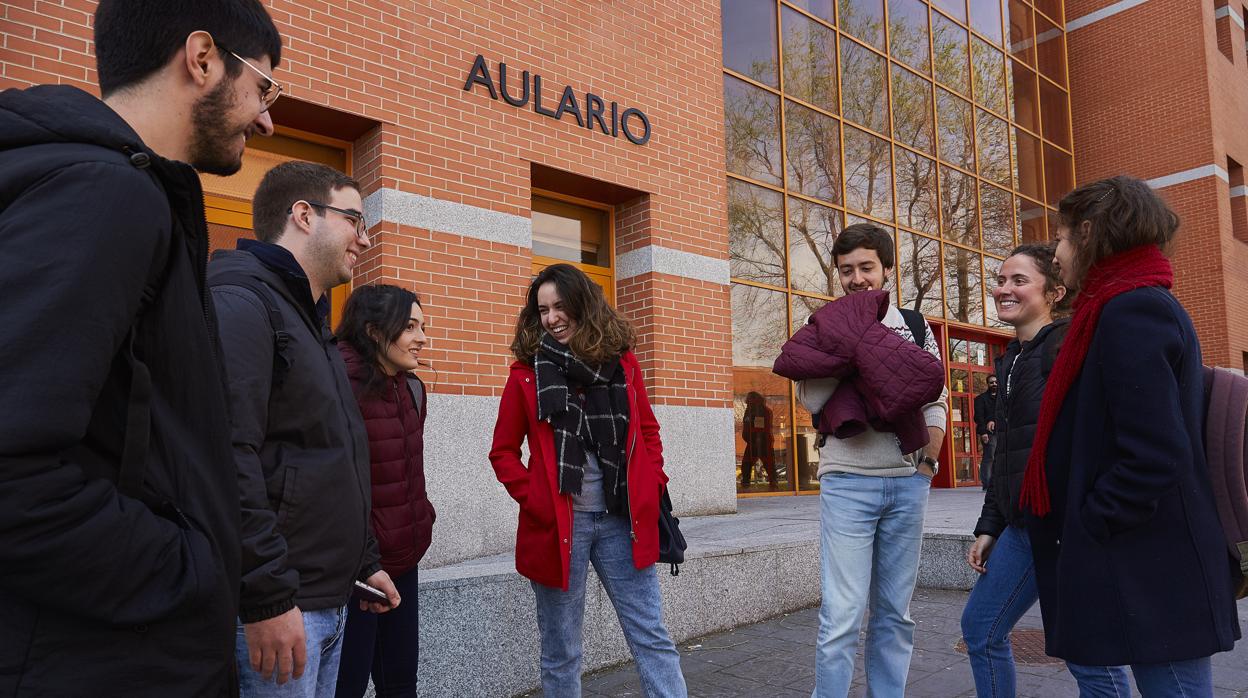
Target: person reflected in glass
(757, 430)
(1132, 564)
(1030, 297)
(985, 428)
(589, 493)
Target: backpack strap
(281, 338)
(916, 323)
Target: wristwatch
(932, 463)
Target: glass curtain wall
(945, 121)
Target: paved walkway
(775, 659)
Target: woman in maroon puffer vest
(381, 335)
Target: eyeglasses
(270, 92)
(361, 226)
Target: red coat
(544, 534)
(402, 516)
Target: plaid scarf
(596, 422)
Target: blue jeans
(385, 645)
(871, 531)
(1000, 597)
(324, 635)
(1192, 678)
(606, 541)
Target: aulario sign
(591, 112)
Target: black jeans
(385, 645)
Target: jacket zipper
(628, 493)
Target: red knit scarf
(1126, 271)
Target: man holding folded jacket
(871, 375)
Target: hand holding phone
(366, 593)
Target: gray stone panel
(426, 212)
(664, 260)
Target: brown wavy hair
(1122, 213)
(601, 335)
(1041, 254)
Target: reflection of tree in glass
(996, 210)
(864, 94)
(868, 174)
(920, 273)
(907, 34)
(989, 75)
(814, 155)
(962, 272)
(803, 308)
(864, 19)
(949, 48)
(756, 233)
(916, 192)
(809, 60)
(958, 207)
(912, 110)
(758, 325)
(752, 125)
(954, 126)
(992, 135)
(812, 232)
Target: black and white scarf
(598, 423)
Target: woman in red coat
(381, 336)
(590, 491)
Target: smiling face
(335, 246)
(861, 270)
(554, 315)
(403, 354)
(227, 116)
(1020, 295)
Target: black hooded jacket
(105, 592)
(300, 444)
(1022, 372)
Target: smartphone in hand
(364, 592)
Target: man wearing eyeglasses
(119, 512)
(300, 444)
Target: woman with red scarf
(1131, 563)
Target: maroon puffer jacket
(402, 516)
(886, 379)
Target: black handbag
(671, 543)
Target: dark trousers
(385, 645)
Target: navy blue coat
(1131, 563)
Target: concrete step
(479, 628)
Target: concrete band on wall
(476, 517)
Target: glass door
(971, 361)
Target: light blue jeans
(1000, 597)
(606, 541)
(871, 531)
(320, 676)
(1192, 678)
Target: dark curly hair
(601, 335)
(376, 310)
(1122, 213)
(1041, 253)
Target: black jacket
(985, 406)
(98, 592)
(1131, 564)
(1022, 372)
(300, 446)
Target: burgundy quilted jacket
(886, 379)
(402, 516)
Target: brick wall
(1153, 94)
(404, 65)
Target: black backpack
(672, 544)
(281, 338)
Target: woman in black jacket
(1028, 295)
(1131, 562)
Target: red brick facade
(1154, 92)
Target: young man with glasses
(299, 441)
(119, 527)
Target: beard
(210, 118)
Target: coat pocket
(288, 502)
